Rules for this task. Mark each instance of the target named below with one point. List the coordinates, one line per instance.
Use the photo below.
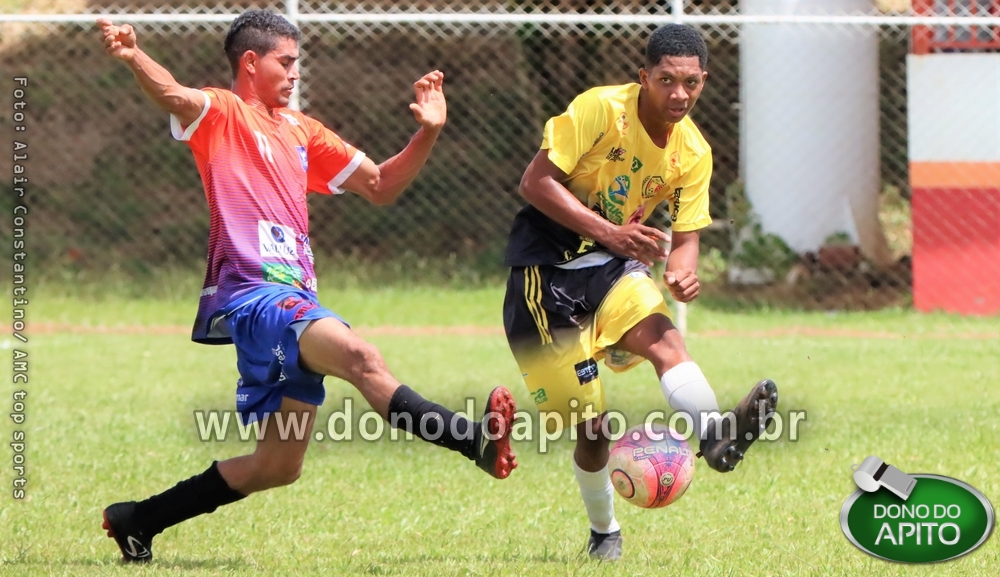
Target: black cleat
(493, 452)
(724, 451)
(119, 522)
(605, 546)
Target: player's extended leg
(329, 347)
(590, 465)
(723, 439)
(276, 461)
(278, 458)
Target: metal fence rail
(111, 188)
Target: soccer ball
(650, 467)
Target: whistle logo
(918, 518)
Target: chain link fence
(111, 188)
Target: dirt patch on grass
(477, 331)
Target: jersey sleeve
(573, 133)
(331, 160)
(691, 207)
(205, 134)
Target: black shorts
(560, 323)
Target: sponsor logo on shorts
(586, 371)
(289, 303)
(540, 397)
(276, 240)
(303, 305)
(283, 274)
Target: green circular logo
(942, 519)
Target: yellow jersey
(615, 169)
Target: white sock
(598, 497)
(687, 390)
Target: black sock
(200, 494)
(432, 422)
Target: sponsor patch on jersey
(676, 203)
(303, 157)
(306, 247)
(276, 240)
(283, 274)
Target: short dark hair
(676, 40)
(257, 30)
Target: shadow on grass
(159, 563)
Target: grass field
(111, 418)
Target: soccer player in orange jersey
(257, 160)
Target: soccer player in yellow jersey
(580, 289)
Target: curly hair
(676, 40)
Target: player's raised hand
(429, 106)
(683, 284)
(119, 41)
(643, 243)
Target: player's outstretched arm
(158, 84)
(542, 186)
(383, 183)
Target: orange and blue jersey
(257, 169)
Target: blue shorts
(265, 326)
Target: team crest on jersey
(651, 186)
(675, 159)
(276, 240)
(623, 123)
(303, 157)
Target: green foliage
(840, 238)
(711, 265)
(760, 250)
(752, 247)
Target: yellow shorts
(560, 323)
